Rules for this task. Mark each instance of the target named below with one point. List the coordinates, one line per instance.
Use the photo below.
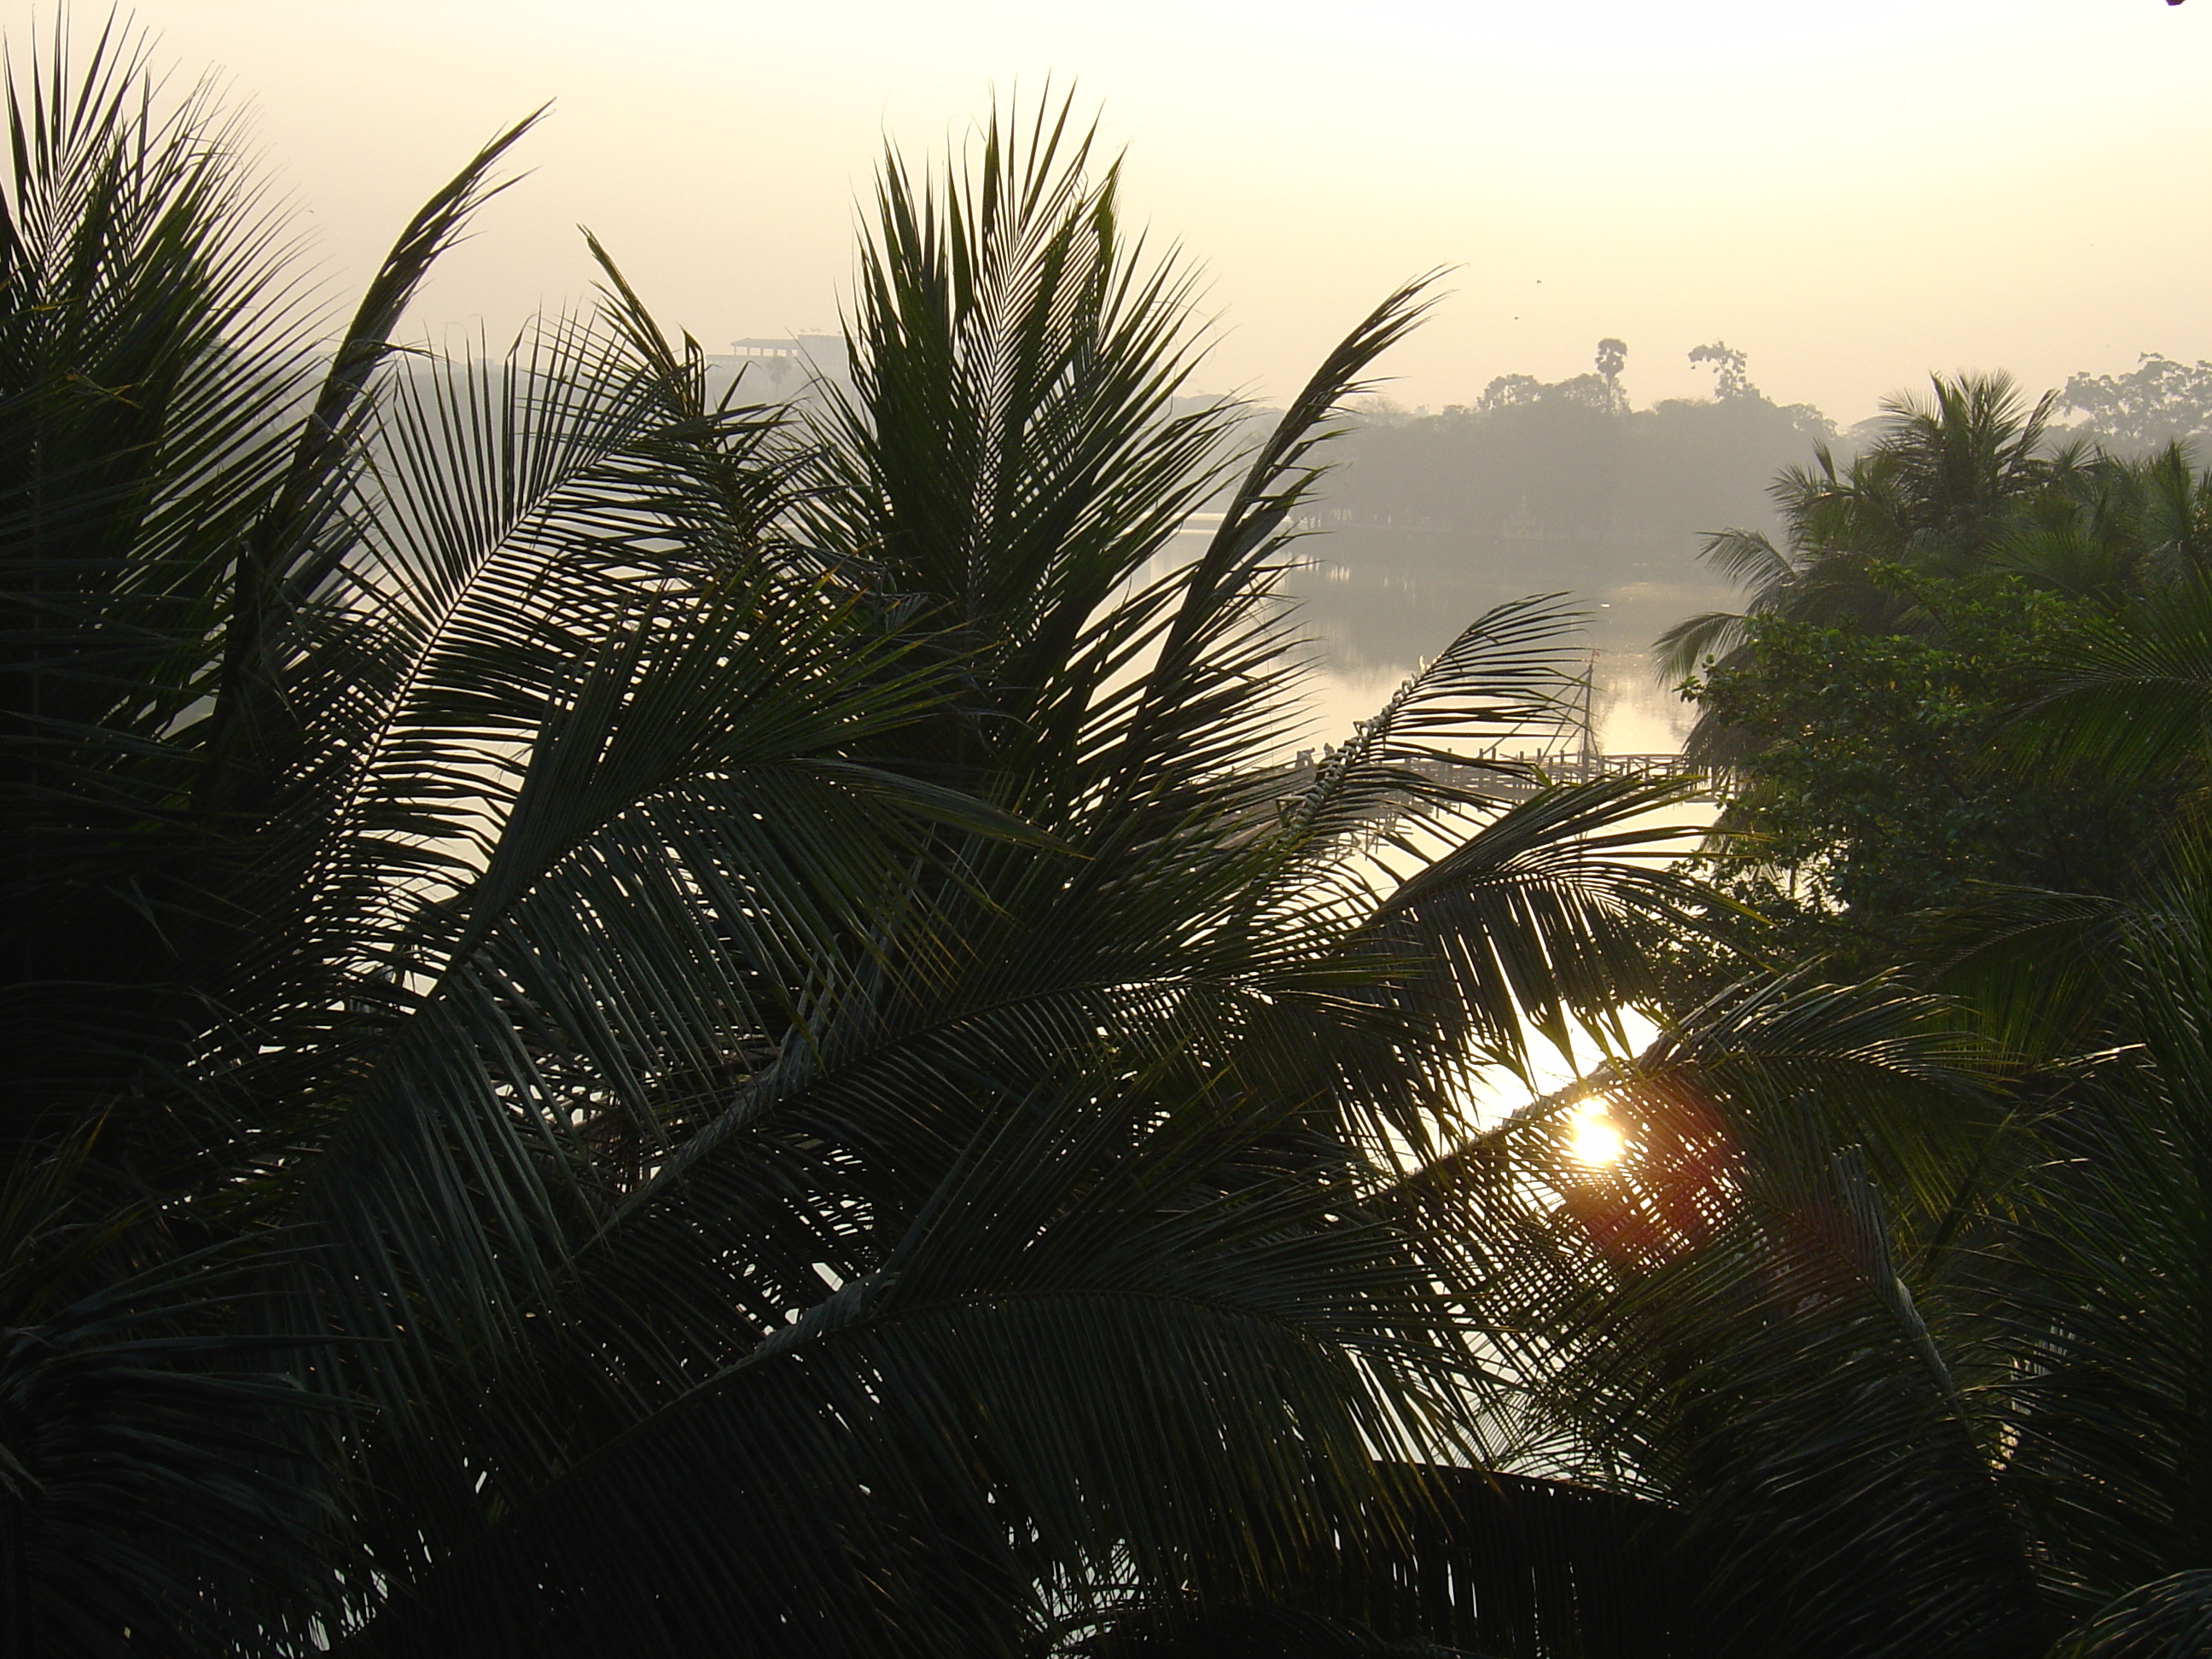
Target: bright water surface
(1378, 600)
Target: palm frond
(2163, 1619)
(1072, 1362)
(162, 1472)
(2130, 694)
(1535, 920)
(1727, 1317)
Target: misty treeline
(645, 1024)
(1573, 462)
(1571, 471)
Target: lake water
(1378, 600)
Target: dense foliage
(1865, 704)
(1887, 779)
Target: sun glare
(1596, 1140)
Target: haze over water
(1378, 601)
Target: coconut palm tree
(639, 1027)
(1094, 1165)
(1945, 481)
(1967, 485)
(344, 705)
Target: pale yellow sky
(1854, 194)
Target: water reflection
(1376, 600)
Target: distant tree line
(2162, 402)
(1571, 464)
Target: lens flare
(1595, 1140)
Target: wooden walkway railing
(1555, 769)
(1505, 786)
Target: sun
(1595, 1140)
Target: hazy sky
(1852, 193)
